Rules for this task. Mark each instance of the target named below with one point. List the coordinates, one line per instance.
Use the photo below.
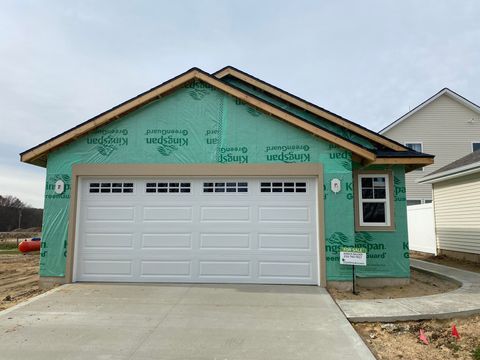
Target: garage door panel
(284, 242)
(110, 213)
(284, 214)
(166, 268)
(167, 213)
(109, 267)
(211, 241)
(110, 241)
(164, 227)
(240, 237)
(167, 241)
(224, 268)
(285, 269)
(225, 213)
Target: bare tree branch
(12, 202)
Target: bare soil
(18, 277)
(421, 284)
(447, 261)
(400, 340)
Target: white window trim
(414, 142)
(388, 220)
(475, 142)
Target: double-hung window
(374, 201)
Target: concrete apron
(119, 321)
(464, 301)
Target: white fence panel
(421, 228)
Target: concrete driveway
(110, 321)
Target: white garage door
(251, 230)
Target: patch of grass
(476, 353)
(9, 251)
(8, 245)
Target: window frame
(283, 187)
(421, 150)
(167, 185)
(130, 189)
(414, 199)
(475, 142)
(237, 187)
(389, 224)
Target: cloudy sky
(63, 62)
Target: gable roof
(445, 91)
(38, 154)
(308, 106)
(468, 164)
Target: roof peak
(445, 91)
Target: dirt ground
(421, 284)
(448, 261)
(400, 340)
(18, 277)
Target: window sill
(390, 228)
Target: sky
(63, 62)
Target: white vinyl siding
(457, 214)
(445, 129)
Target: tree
(15, 214)
(12, 202)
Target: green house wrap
(204, 120)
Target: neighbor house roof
(38, 154)
(445, 91)
(466, 165)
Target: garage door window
(283, 187)
(225, 187)
(167, 187)
(110, 187)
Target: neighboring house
(447, 125)
(222, 178)
(456, 204)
